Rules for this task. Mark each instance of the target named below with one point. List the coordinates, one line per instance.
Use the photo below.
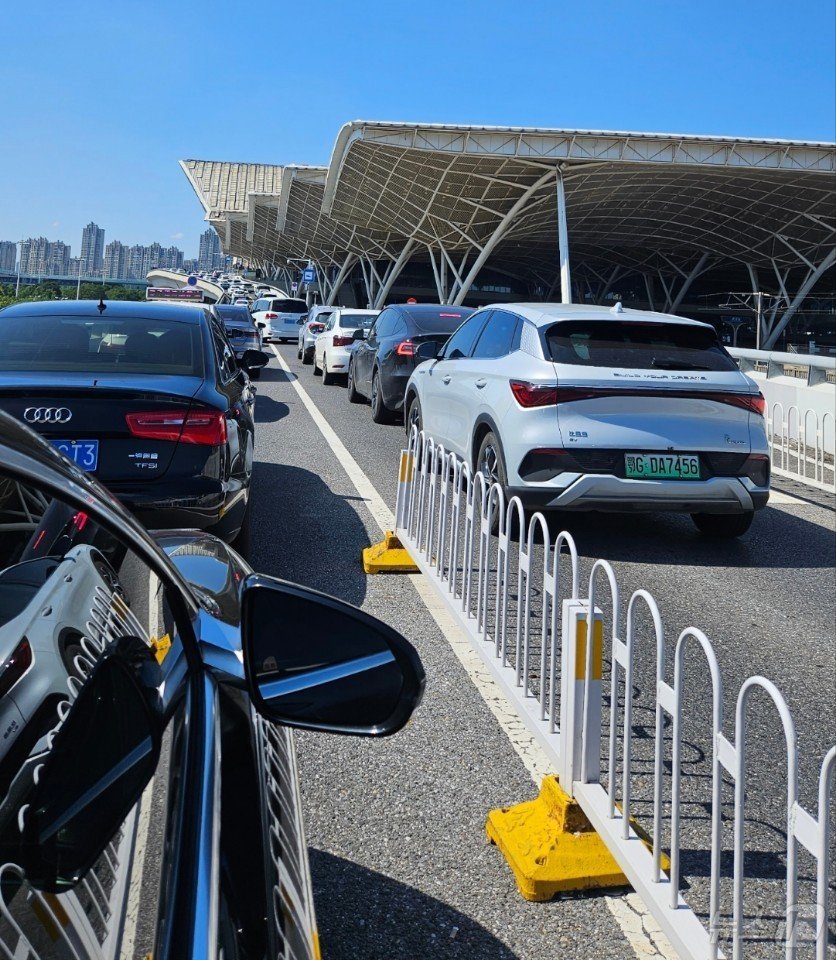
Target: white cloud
(177, 236)
(56, 223)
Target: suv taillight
(203, 427)
(534, 394)
(15, 666)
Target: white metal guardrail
(520, 601)
(800, 393)
(84, 923)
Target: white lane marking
(628, 911)
(133, 905)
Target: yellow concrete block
(388, 556)
(551, 846)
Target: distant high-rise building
(92, 248)
(8, 256)
(57, 258)
(33, 255)
(74, 267)
(209, 256)
(114, 259)
(172, 258)
(134, 262)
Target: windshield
(445, 321)
(639, 345)
(354, 321)
(290, 306)
(93, 345)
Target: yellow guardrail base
(388, 556)
(552, 847)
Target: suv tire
(490, 462)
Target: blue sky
(100, 99)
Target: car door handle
(481, 383)
(446, 379)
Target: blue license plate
(84, 453)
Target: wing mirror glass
(254, 360)
(359, 334)
(261, 324)
(317, 663)
(428, 350)
(75, 808)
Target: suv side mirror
(317, 663)
(116, 723)
(359, 334)
(253, 360)
(428, 350)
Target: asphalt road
(396, 828)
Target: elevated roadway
(214, 292)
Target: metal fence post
(577, 742)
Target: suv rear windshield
(637, 345)
(93, 345)
(290, 306)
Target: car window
(88, 344)
(461, 343)
(637, 345)
(290, 306)
(260, 305)
(223, 351)
(72, 598)
(497, 337)
(384, 324)
(355, 321)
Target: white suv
(332, 348)
(575, 407)
(279, 318)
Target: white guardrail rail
(527, 613)
(85, 923)
(800, 393)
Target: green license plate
(661, 466)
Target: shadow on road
(276, 375)
(365, 915)
(302, 531)
(776, 539)
(268, 410)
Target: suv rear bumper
(616, 494)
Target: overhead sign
(309, 275)
(294, 286)
(192, 281)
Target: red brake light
(14, 668)
(534, 394)
(271, 316)
(753, 402)
(203, 427)
(342, 341)
(316, 327)
(406, 348)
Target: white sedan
(332, 348)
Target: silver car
(310, 330)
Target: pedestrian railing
(84, 923)
(798, 444)
(519, 595)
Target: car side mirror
(253, 360)
(317, 663)
(428, 350)
(301, 321)
(260, 324)
(116, 724)
(359, 334)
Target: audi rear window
(637, 345)
(91, 345)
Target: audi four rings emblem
(47, 415)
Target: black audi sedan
(241, 329)
(149, 793)
(384, 356)
(146, 396)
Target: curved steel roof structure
(666, 208)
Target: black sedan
(241, 329)
(383, 358)
(147, 691)
(147, 396)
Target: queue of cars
(117, 417)
(570, 407)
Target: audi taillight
(203, 427)
(406, 348)
(534, 394)
(342, 341)
(15, 666)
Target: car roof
(118, 309)
(356, 310)
(543, 314)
